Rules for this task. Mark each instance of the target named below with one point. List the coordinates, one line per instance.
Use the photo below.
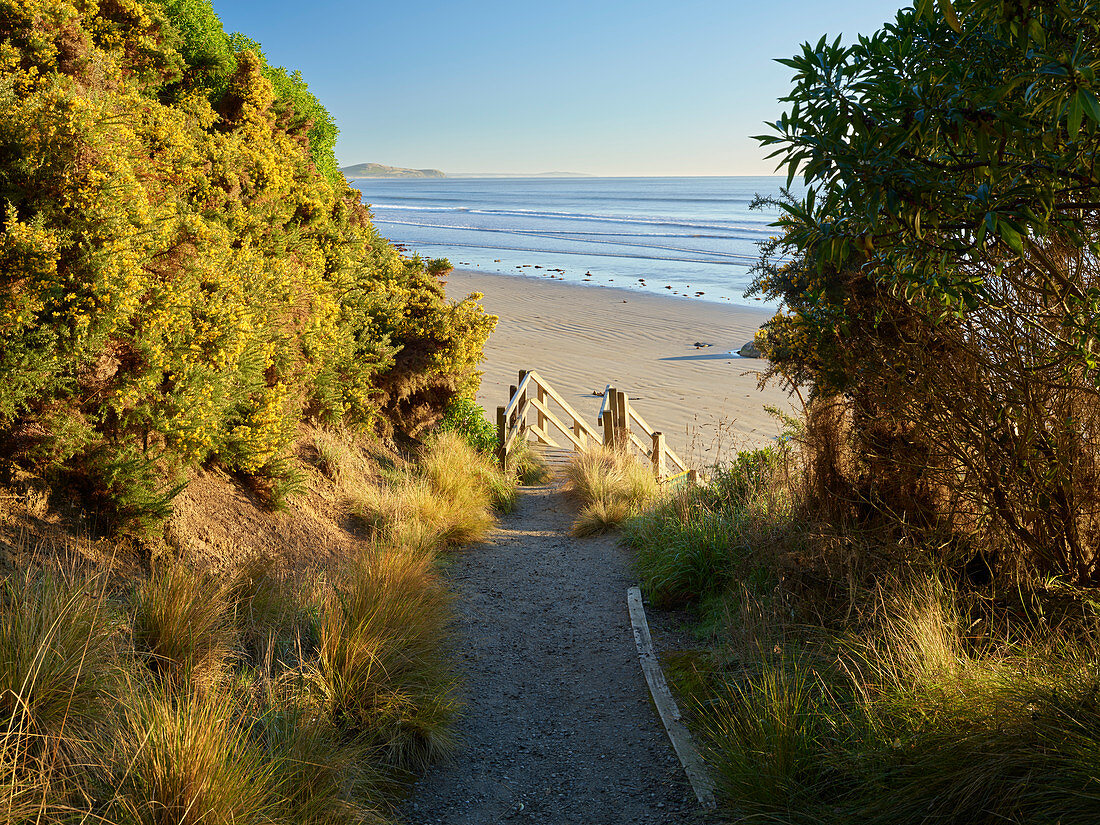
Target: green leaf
(1011, 237)
(1076, 110)
(1092, 105)
(949, 15)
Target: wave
(739, 260)
(560, 237)
(761, 227)
(569, 234)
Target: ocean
(692, 237)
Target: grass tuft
(58, 669)
(450, 502)
(380, 668)
(611, 486)
(182, 626)
(188, 761)
(527, 465)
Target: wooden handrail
(518, 394)
(538, 405)
(616, 417)
(562, 403)
(605, 406)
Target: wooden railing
(622, 426)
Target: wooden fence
(536, 408)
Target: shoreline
(581, 337)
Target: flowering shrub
(183, 273)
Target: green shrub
(465, 417)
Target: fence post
(522, 403)
(693, 476)
(580, 434)
(541, 395)
(502, 432)
(609, 419)
(659, 455)
(622, 424)
(515, 413)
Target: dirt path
(558, 726)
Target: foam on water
(691, 234)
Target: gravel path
(558, 726)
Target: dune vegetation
(898, 601)
(224, 491)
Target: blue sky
(605, 87)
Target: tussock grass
(270, 611)
(182, 626)
(450, 501)
(380, 669)
(837, 688)
(58, 669)
(611, 485)
(319, 776)
(694, 541)
(186, 760)
(265, 695)
(527, 465)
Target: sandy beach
(581, 338)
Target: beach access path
(558, 727)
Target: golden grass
(611, 486)
(187, 762)
(449, 502)
(266, 695)
(380, 668)
(182, 626)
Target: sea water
(693, 237)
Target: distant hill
(378, 170)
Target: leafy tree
(939, 278)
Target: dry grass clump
(264, 695)
(187, 760)
(527, 465)
(182, 627)
(58, 669)
(380, 670)
(450, 501)
(611, 485)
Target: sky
(601, 87)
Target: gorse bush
(185, 276)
